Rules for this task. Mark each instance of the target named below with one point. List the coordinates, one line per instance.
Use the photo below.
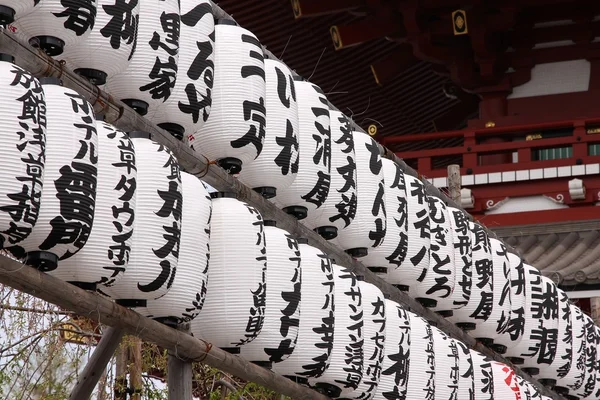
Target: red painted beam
(370, 28)
(313, 8)
(539, 217)
(386, 69)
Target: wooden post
(135, 368)
(179, 375)
(454, 182)
(121, 373)
(97, 364)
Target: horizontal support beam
(513, 220)
(344, 36)
(386, 69)
(314, 8)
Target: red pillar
(493, 107)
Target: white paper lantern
(528, 391)
(106, 254)
(157, 232)
(421, 373)
(481, 301)
(511, 331)
(587, 390)
(345, 369)
(188, 107)
(463, 259)
(152, 72)
(562, 359)
(234, 132)
(315, 333)
(22, 152)
(339, 210)
(466, 387)
(575, 377)
(53, 25)
(416, 261)
(66, 212)
(506, 386)
(279, 333)
(369, 225)
(11, 9)
(277, 165)
(499, 316)
(447, 366)
(188, 291)
(234, 308)
(109, 47)
(391, 253)
(436, 284)
(393, 383)
(310, 189)
(483, 377)
(374, 313)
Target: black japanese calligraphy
(123, 25)
(80, 15)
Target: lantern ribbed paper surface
(369, 225)
(463, 259)
(279, 333)
(438, 281)
(66, 212)
(277, 165)
(589, 383)
(483, 376)
(186, 296)
(235, 129)
(574, 378)
(234, 308)
(562, 360)
(374, 313)
(466, 388)
(55, 25)
(157, 232)
(345, 369)
(481, 301)
(339, 209)
(499, 317)
(310, 189)
(111, 43)
(421, 373)
(531, 392)
(151, 75)
(416, 260)
(22, 152)
(506, 386)
(188, 107)
(393, 383)
(105, 256)
(447, 366)
(390, 254)
(315, 332)
(12, 9)
(511, 332)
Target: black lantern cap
(223, 195)
(139, 106)
(51, 45)
(95, 76)
(7, 58)
(139, 135)
(270, 222)
(7, 15)
(176, 130)
(302, 240)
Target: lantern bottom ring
(299, 380)
(176, 130)
(466, 326)
(51, 45)
(327, 232)
(231, 165)
(298, 212)
(487, 342)
(328, 389)
(570, 397)
(42, 260)
(139, 106)
(562, 390)
(516, 360)
(358, 252)
(499, 348)
(425, 302)
(264, 364)
(7, 15)
(402, 288)
(95, 76)
(268, 192)
(549, 383)
(132, 303)
(89, 286)
(379, 271)
(168, 321)
(231, 350)
(445, 313)
(533, 371)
